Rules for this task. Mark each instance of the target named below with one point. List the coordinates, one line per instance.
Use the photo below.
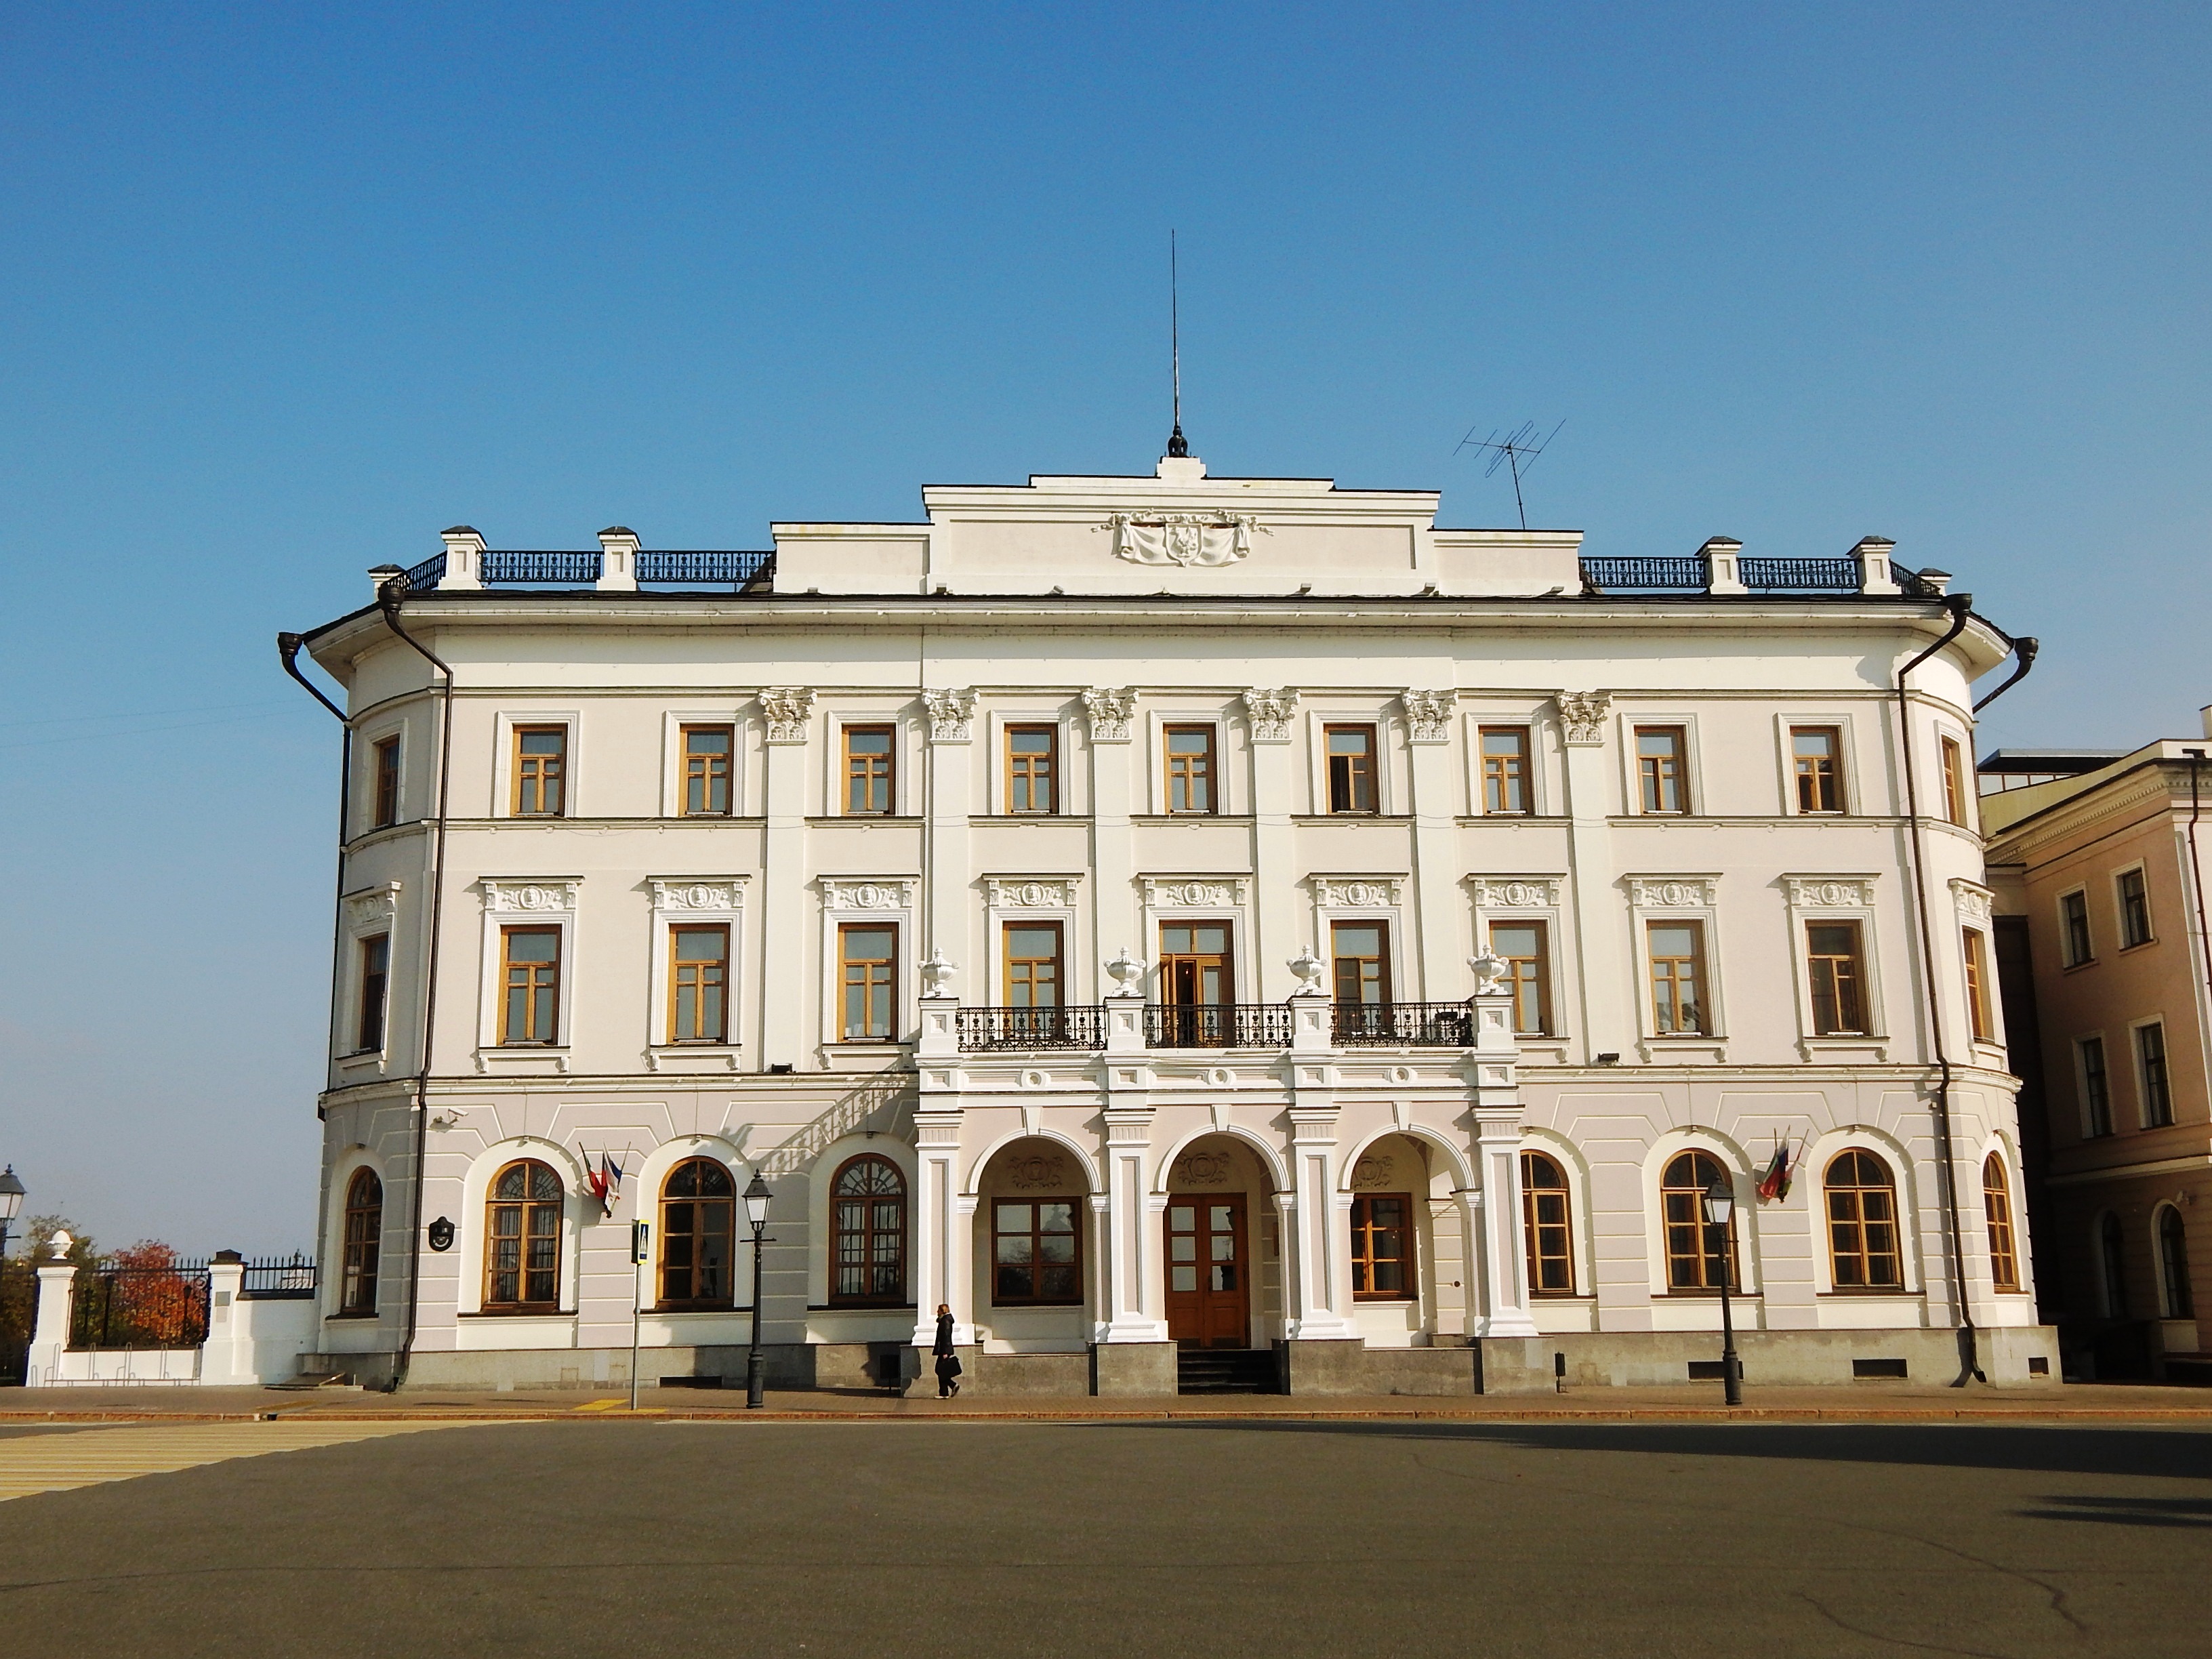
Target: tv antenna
(1515, 450)
(1176, 446)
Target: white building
(1072, 906)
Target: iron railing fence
(700, 567)
(541, 569)
(1217, 1026)
(1800, 575)
(425, 577)
(1673, 572)
(279, 1278)
(981, 1029)
(1434, 1025)
(163, 1305)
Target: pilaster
(940, 1251)
(1607, 1023)
(1431, 717)
(1277, 926)
(1135, 1309)
(946, 914)
(1116, 920)
(788, 711)
(1498, 1158)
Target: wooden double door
(1208, 1271)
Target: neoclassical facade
(1207, 932)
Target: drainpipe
(287, 653)
(388, 598)
(2197, 863)
(1960, 606)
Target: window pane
(532, 944)
(1350, 740)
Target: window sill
(2070, 967)
(1556, 1297)
(358, 1313)
(1870, 1293)
(517, 1313)
(861, 1307)
(1024, 1307)
(1837, 1047)
(693, 1057)
(1674, 1050)
(1711, 1296)
(908, 819)
(1360, 1301)
(541, 1059)
(690, 1310)
(2140, 944)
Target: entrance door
(1196, 984)
(1209, 1289)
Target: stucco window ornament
(1110, 712)
(1674, 892)
(535, 897)
(1189, 893)
(1309, 969)
(869, 895)
(1375, 1169)
(1582, 714)
(1055, 893)
(1974, 901)
(698, 895)
(1202, 1170)
(1535, 893)
(1428, 714)
(937, 974)
(1127, 973)
(1489, 970)
(1336, 892)
(1831, 892)
(1186, 538)
(1042, 1170)
(949, 712)
(375, 906)
(787, 708)
(1270, 713)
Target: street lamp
(1720, 1210)
(756, 1214)
(11, 1202)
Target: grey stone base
(1353, 1368)
(1778, 1358)
(1132, 1368)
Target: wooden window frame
(1360, 772)
(1022, 772)
(530, 1207)
(1996, 1214)
(536, 777)
(535, 989)
(846, 963)
(1699, 978)
(720, 1038)
(2077, 937)
(1535, 983)
(1008, 960)
(2134, 906)
(1824, 785)
(1651, 777)
(2096, 1085)
(1853, 1222)
(1498, 780)
(866, 774)
(1037, 1234)
(1381, 960)
(385, 773)
(704, 775)
(1843, 974)
(372, 993)
(2154, 1072)
(870, 1232)
(1364, 1259)
(361, 1242)
(1954, 754)
(728, 1199)
(1973, 949)
(1200, 768)
(1548, 1239)
(1674, 1199)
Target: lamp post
(1720, 1210)
(756, 1214)
(11, 1203)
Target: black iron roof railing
(1391, 1025)
(1800, 575)
(982, 1029)
(541, 569)
(656, 568)
(685, 568)
(1686, 572)
(425, 577)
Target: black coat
(944, 1343)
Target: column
(227, 1355)
(1498, 1159)
(938, 1256)
(1319, 1241)
(49, 1328)
(1134, 1311)
(782, 947)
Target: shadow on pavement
(2129, 1512)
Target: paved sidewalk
(1864, 1402)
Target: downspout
(2197, 864)
(1960, 606)
(388, 598)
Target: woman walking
(948, 1357)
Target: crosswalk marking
(33, 1464)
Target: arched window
(1544, 1225)
(697, 1213)
(1997, 1204)
(1862, 1223)
(364, 1231)
(2112, 1262)
(522, 1239)
(2173, 1265)
(1694, 1261)
(868, 1226)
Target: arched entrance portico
(1036, 1247)
(1220, 1248)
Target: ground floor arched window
(2173, 1265)
(364, 1233)
(1862, 1247)
(1694, 1246)
(867, 1233)
(698, 1203)
(522, 1239)
(1546, 1225)
(1997, 1204)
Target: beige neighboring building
(2101, 860)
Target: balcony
(1215, 1025)
(984, 1030)
(1398, 1024)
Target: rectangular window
(1351, 767)
(1524, 947)
(1033, 962)
(1831, 949)
(1678, 978)
(375, 979)
(1977, 986)
(868, 771)
(1363, 965)
(387, 783)
(1817, 753)
(1954, 782)
(2134, 909)
(868, 966)
(2150, 1059)
(1032, 770)
(2096, 1088)
(1036, 1253)
(1383, 1247)
(530, 959)
(2073, 924)
(541, 771)
(707, 754)
(1190, 768)
(1662, 758)
(1506, 769)
(698, 984)
(1198, 982)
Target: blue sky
(289, 289)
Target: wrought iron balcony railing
(680, 569)
(554, 570)
(1678, 572)
(982, 1029)
(1217, 1026)
(1433, 1024)
(1799, 575)
(656, 568)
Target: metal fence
(279, 1278)
(1435, 1024)
(425, 577)
(541, 569)
(1217, 1026)
(1800, 575)
(163, 1305)
(1670, 571)
(981, 1030)
(735, 570)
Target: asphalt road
(1285, 1537)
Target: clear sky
(289, 289)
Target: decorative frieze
(1359, 892)
(950, 713)
(1201, 1170)
(1032, 892)
(1183, 539)
(882, 893)
(1674, 892)
(688, 895)
(1375, 1169)
(1270, 713)
(1972, 901)
(1428, 714)
(373, 906)
(535, 896)
(1110, 712)
(1039, 1172)
(1832, 892)
(1515, 892)
(1197, 892)
(1582, 715)
(787, 708)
